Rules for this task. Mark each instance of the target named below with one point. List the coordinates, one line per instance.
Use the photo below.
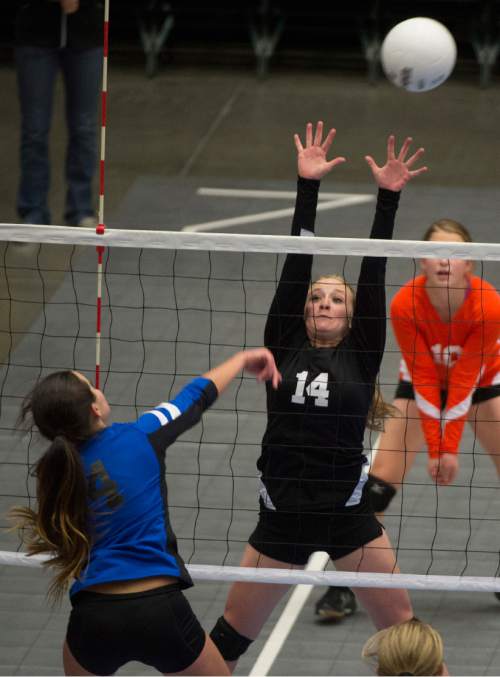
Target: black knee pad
(230, 643)
(380, 493)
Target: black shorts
(293, 537)
(404, 391)
(156, 627)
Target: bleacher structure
(266, 32)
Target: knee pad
(380, 493)
(230, 643)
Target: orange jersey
(455, 356)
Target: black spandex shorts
(156, 627)
(293, 537)
(404, 391)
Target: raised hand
(311, 160)
(396, 172)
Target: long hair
(408, 648)
(60, 406)
(379, 409)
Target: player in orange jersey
(447, 324)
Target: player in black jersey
(328, 344)
(102, 516)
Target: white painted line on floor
(346, 201)
(317, 562)
(271, 194)
(203, 142)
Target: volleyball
(418, 54)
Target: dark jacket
(41, 23)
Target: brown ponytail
(60, 407)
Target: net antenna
(100, 230)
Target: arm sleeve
(479, 348)
(286, 314)
(424, 375)
(368, 329)
(168, 420)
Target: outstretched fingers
(309, 134)
(416, 156)
(329, 140)
(417, 172)
(371, 163)
(319, 133)
(336, 161)
(298, 143)
(390, 147)
(404, 148)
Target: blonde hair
(448, 226)
(408, 648)
(379, 409)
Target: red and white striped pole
(100, 227)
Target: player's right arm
(168, 420)
(286, 314)
(421, 366)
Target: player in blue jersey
(103, 517)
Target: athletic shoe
(497, 595)
(336, 603)
(87, 222)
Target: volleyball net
(176, 304)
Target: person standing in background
(53, 35)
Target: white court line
(344, 201)
(224, 111)
(298, 598)
(272, 194)
(317, 562)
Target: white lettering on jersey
(446, 355)
(317, 389)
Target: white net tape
(207, 572)
(277, 244)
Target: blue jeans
(37, 68)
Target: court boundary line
(327, 201)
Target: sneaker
(497, 595)
(87, 222)
(336, 603)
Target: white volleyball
(418, 54)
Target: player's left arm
(479, 348)
(369, 318)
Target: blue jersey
(125, 468)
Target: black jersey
(312, 451)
